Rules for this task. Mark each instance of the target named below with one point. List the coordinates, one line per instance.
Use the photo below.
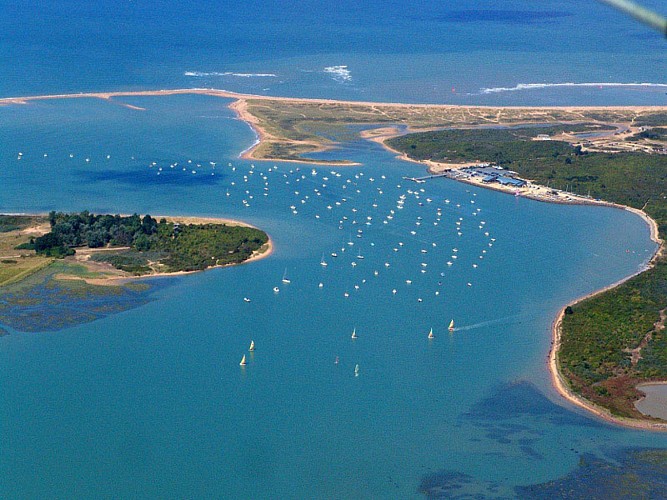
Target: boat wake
(497, 321)
(538, 86)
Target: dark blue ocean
(481, 52)
(151, 402)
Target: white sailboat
(430, 334)
(451, 326)
(354, 333)
(356, 370)
(242, 363)
(323, 262)
(285, 278)
(252, 345)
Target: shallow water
(152, 401)
(655, 402)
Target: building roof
(510, 181)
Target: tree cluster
(176, 247)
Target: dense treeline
(599, 334)
(143, 240)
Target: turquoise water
(152, 402)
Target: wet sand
(654, 403)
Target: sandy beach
(240, 96)
(245, 97)
(117, 277)
(240, 107)
(556, 376)
(265, 251)
(482, 115)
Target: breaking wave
(535, 86)
(339, 73)
(229, 73)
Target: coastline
(240, 96)
(381, 135)
(240, 107)
(451, 115)
(119, 280)
(255, 256)
(119, 277)
(557, 379)
(556, 376)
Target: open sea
(142, 395)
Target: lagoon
(152, 402)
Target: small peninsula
(113, 247)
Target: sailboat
(356, 370)
(285, 278)
(252, 345)
(430, 334)
(354, 334)
(242, 363)
(451, 326)
(323, 263)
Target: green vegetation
(16, 222)
(145, 244)
(614, 340)
(17, 256)
(297, 127)
(656, 134)
(651, 120)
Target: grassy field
(16, 264)
(615, 340)
(294, 128)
